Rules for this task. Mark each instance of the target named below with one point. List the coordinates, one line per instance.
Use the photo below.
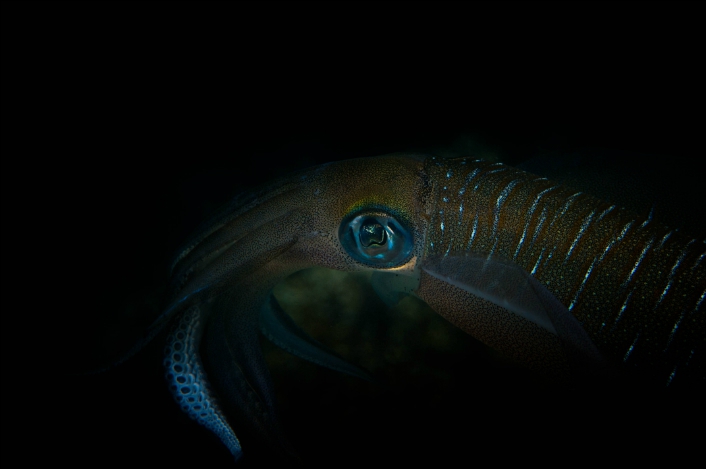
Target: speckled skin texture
(636, 287)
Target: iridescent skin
(636, 288)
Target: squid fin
(504, 283)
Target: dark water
(124, 127)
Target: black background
(125, 124)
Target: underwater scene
(233, 246)
(388, 373)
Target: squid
(566, 284)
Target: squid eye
(376, 239)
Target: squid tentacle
(187, 378)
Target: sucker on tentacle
(187, 380)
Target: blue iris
(376, 239)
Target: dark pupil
(372, 232)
